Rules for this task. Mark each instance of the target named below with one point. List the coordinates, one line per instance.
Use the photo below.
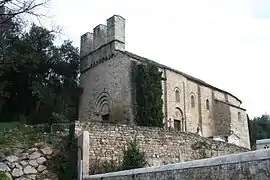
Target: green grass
(15, 135)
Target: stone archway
(179, 121)
(103, 106)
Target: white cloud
(224, 42)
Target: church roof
(143, 59)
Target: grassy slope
(14, 136)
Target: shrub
(64, 162)
(4, 176)
(111, 166)
(133, 157)
(98, 167)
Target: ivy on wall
(148, 95)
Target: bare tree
(10, 9)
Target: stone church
(189, 104)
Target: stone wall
(112, 88)
(175, 82)
(223, 118)
(239, 125)
(31, 153)
(193, 113)
(254, 165)
(207, 114)
(29, 164)
(108, 141)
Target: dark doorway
(177, 125)
(106, 117)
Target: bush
(64, 162)
(95, 167)
(98, 167)
(4, 176)
(133, 157)
(111, 166)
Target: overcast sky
(223, 42)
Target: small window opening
(239, 116)
(177, 96)
(192, 101)
(207, 104)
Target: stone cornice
(99, 61)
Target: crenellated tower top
(113, 33)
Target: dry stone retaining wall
(107, 142)
(29, 164)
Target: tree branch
(14, 8)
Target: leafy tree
(259, 128)
(148, 95)
(39, 80)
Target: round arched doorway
(179, 121)
(103, 106)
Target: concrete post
(83, 155)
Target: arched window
(207, 104)
(192, 99)
(177, 96)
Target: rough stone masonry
(107, 142)
(254, 165)
(190, 104)
(29, 164)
